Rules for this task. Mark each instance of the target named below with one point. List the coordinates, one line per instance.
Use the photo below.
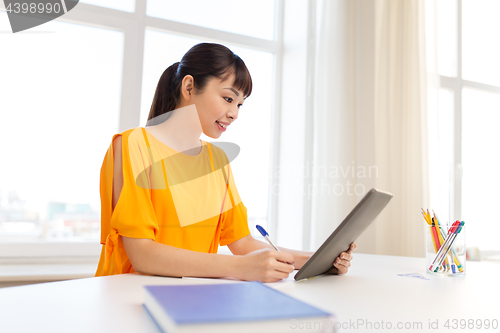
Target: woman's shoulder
(130, 136)
(124, 135)
(131, 149)
(130, 143)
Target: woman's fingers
(343, 262)
(342, 270)
(285, 268)
(346, 255)
(342, 266)
(352, 247)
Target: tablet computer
(347, 232)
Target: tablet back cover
(347, 232)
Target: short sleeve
(235, 220)
(134, 214)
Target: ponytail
(166, 95)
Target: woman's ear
(187, 87)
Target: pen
(445, 248)
(455, 261)
(432, 229)
(442, 234)
(450, 245)
(441, 239)
(264, 233)
(438, 240)
(450, 232)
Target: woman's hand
(342, 262)
(264, 265)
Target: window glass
(252, 18)
(125, 5)
(430, 19)
(60, 106)
(480, 160)
(440, 136)
(251, 131)
(480, 51)
(447, 37)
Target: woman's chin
(213, 136)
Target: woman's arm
(150, 257)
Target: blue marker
(264, 233)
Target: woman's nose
(233, 114)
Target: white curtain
(370, 120)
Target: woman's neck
(182, 130)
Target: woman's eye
(239, 105)
(228, 99)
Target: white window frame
(456, 85)
(133, 25)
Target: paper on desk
(415, 275)
(289, 280)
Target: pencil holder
(445, 249)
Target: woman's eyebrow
(235, 92)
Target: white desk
(371, 291)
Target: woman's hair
(203, 61)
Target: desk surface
(371, 292)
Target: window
(49, 189)
(239, 17)
(464, 107)
(61, 109)
(481, 161)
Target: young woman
(169, 199)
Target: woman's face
(219, 103)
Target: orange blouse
(190, 202)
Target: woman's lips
(220, 127)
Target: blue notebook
(195, 306)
